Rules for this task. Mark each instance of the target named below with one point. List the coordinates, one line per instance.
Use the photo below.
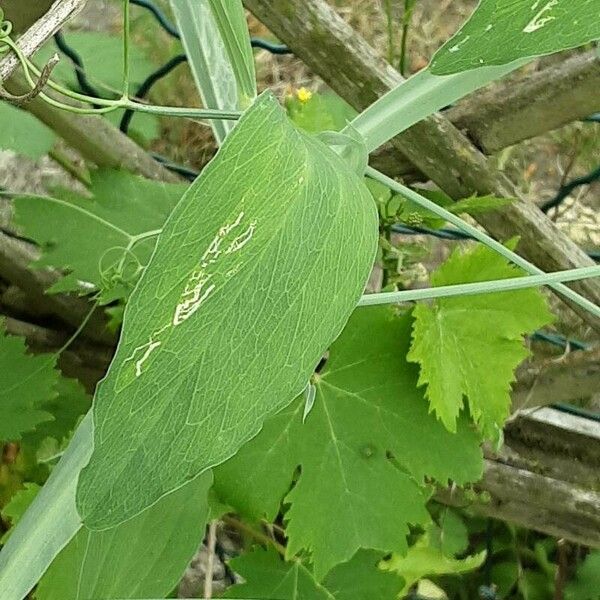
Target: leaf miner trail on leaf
(255, 274)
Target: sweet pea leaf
(268, 576)
(142, 558)
(23, 133)
(501, 31)
(255, 274)
(350, 494)
(470, 346)
(88, 237)
(27, 383)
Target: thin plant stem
(112, 105)
(485, 287)
(126, 31)
(390, 30)
(406, 21)
(481, 237)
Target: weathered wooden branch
(95, 138)
(352, 68)
(16, 256)
(41, 31)
(545, 478)
(518, 108)
(567, 379)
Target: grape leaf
(23, 133)
(501, 31)
(69, 404)
(27, 383)
(17, 506)
(142, 558)
(349, 494)
(268, 576)
(255, 274)
(426, 559)
(93, 245)
(471, 345)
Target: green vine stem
(485, 287)
(481, 237)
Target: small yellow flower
(304, 95)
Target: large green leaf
(97, 248)
(142, 558)
(350, 494)
(470, 346)
(27, 383)
(268, 577)
(501, 31)
(208, 60)
(23, 133)
(255, 274)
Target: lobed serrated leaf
(268, 577)
(17, 506)
(27, 384)
(254, 275)
(425, 559)
(350, 494)
(469, 347)
(501, 31)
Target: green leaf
(23, 133)
(349, 494)
(268, 576)
(67, 406)
(501, 31)
(470, 346)
(425, 559)
(142, 558)
(94, 247)
(208, 60)
(49, 523)
(255, 274)
(26, 384)
(17, 506)
(230, 18)
(586, 585)
(475, 205)
(102, 57)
